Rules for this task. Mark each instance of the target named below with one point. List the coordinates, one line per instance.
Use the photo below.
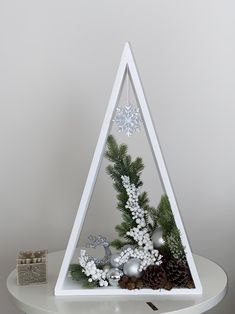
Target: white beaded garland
(145, 252)
(91, 271)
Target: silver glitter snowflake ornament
(128, 119)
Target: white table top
(40, 299)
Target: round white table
(40, 299)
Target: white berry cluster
(146, 257)
(142, 237)
(140, 234)
(91, 271)
(132, 202)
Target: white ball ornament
(157, 238)
(131, 268)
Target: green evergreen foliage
(122, 164)
(78, 275)
(118, 244)
(164, 215)
(76, 272)
(171, 233)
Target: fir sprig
(123, 165)
(77, 274)
(165, 218)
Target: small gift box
(31, 267)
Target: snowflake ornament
(128, 119)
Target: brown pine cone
(154, 277)
(178, 273)
(130, 283)
(168, 286)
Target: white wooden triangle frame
(62, 286)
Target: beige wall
(57, 65)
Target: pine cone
(178, 273)
(130, 283)
(154, 277)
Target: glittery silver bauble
(114, 260)
(157, 238)
(113, 276)
(131, 268)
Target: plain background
(58, 60)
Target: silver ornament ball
(157, 238)
(114, 260)
(131, 268)
(113, 276)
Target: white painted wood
(40, 299)
(127, 60)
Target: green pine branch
(123, 165)
(164, 215)
(165, 218)
(118, 244)
(77, 274)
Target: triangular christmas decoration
(160, 270)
